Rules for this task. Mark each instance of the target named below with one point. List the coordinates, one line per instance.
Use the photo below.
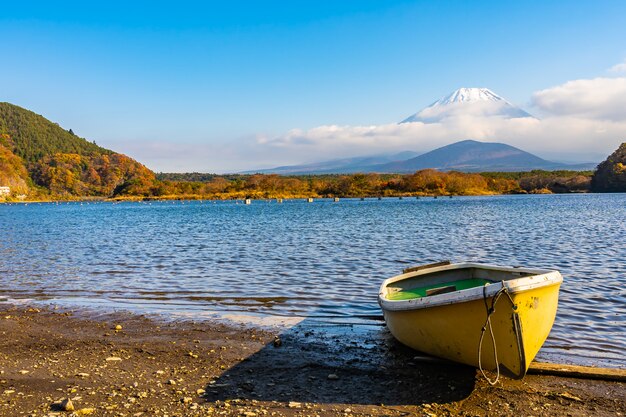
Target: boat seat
(440, 288)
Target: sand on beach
(127, 365)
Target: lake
(320, 261)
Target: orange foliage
(97, 175)
(12, 172)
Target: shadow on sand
(319, 363)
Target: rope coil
(490, 311)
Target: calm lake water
(322, 261)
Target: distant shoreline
(242, 199)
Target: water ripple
(322, 260)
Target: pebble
(113, 359)
(294, 404)
(171, 382)
(23, 372)
(118, 327)
(333, 377)
(82, 374)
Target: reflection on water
(320, 260)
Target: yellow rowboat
(491, 317)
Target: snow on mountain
(464, 102)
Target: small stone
(113, 359)
(333, 377)
(200, 391)
(171, 382)
(278, 342)
(249, 414)
(294, 404)
(569, 396)
(347, 410)
(23, 372)
(66, 405)
(118, 327)
(85, 411)
(8, 391)
(82, 374)
(186, 400)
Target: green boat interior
(446, 281)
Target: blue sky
(187, 86)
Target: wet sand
(147, 367)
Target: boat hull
(521, 325)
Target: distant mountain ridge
(465, 155)
(473, 156)
(344, 165)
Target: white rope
(490, 311)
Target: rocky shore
(62, 363)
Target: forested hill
(33, 136)
(39, 157)
(610, 176)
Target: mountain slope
(37, 152)
(33, 136)
(472, 156)
(466, 155)
(335, 166)
(475, 102)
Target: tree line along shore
(41, 161)
(428, 182)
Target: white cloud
(582, 120)
(585, 137)
(598, 98)
(618, 68)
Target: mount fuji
(464, 155)
(476, 102)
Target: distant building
(5, 190)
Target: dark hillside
(33, 136)
(610, 176)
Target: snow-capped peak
(468, 95)
(479, 102)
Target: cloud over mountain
(580, 119)
(598, 98)
(618, 68)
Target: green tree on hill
(610, 175)
(33, 136)
(36, 150)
